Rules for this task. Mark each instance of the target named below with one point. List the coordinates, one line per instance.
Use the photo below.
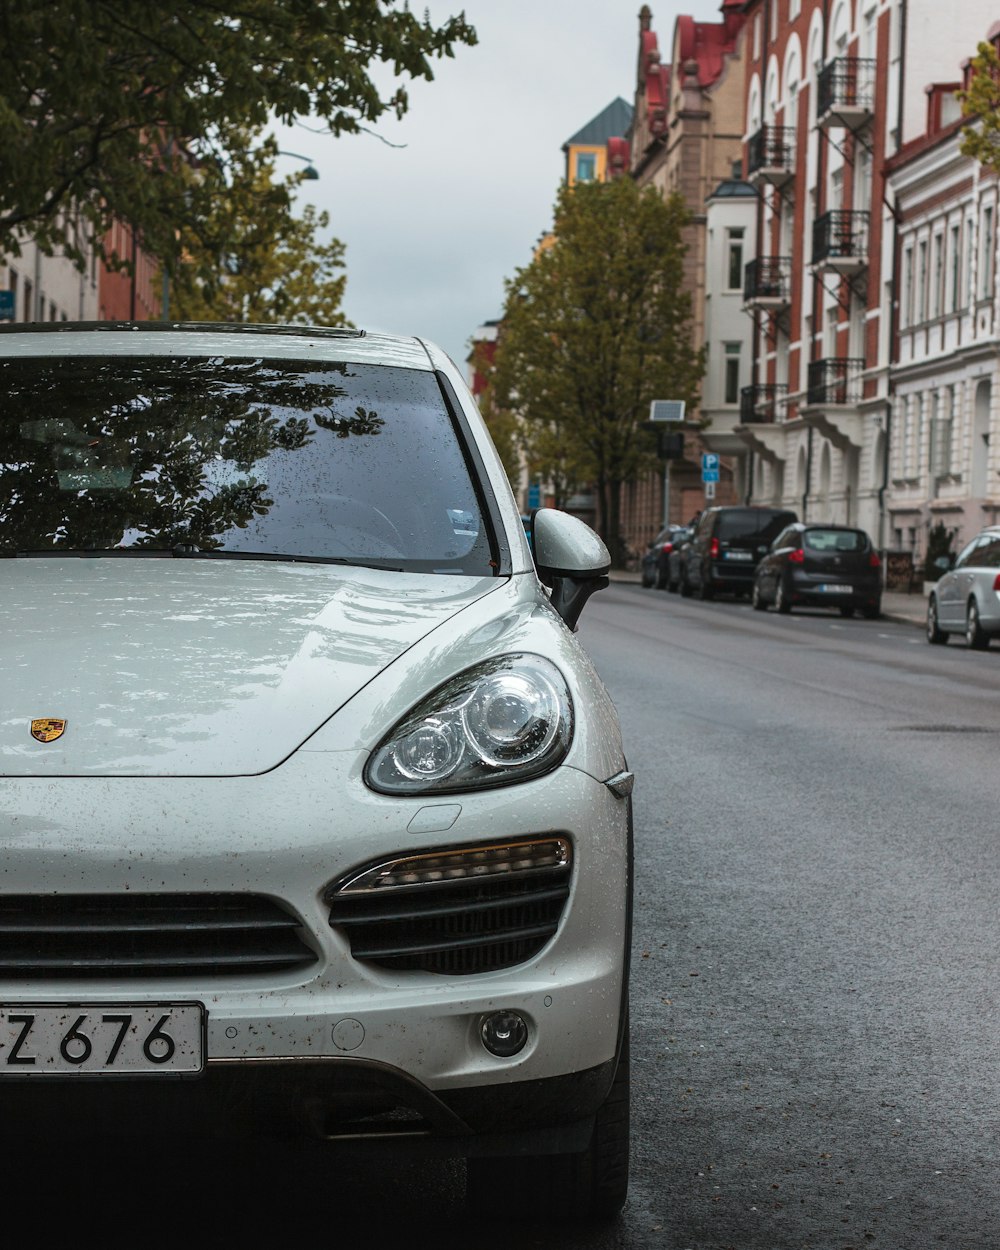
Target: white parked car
(314, 814)
(966, 600)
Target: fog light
(504, 1033)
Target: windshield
(835, 540)
(748, 523)
(239, 457)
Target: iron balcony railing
(835, 380)
(846, 88)
(768, 280)
(772, 151)
(763, 404)
(840, 235)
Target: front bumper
(352, 1104)
(304, 1045)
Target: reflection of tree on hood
(100, 454)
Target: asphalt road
(814, 998)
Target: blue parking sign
(709, 466)
(6, 305)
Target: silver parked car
(314, 813)
(966, 600)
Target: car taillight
(668, 547)
(874, 561)
(797, 556)
(713, 550)
(996, 582)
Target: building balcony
(767, 283)
(833, 392)
(840, 241)
(771, 155)
(845, 93)
(763, 404)
(835, 380)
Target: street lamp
(310, 173)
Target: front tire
(975, 636)
(590, 1185)
(936, 636)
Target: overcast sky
(433, 228)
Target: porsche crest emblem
(48, 728)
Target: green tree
(252, 259)
(981, 105)
(596, 327)
(105, 108)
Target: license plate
(831, 589)
(102, 1039)
(739, 555)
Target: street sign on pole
(709, 490)
(709, 467)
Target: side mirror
(570, 558)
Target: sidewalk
(896, 606)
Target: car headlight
(505, 720)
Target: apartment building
(49, 288)
(833, 92)
(685, 136)
(944, 462)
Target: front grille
(146, 935)
(454, 927)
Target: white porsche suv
(314, 814)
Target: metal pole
(666, 494)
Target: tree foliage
(981, 104)
(596, 327)
(106, 108)
(252, 259)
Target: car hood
(199, 668)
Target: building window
(774, 21)
(756, 38)
(921, 300)
(868, 41)
(967, 267)
(906, 309)
(954, 268)
(937, 280)
(794, 9)
(734, 271)
(732, 376)
(29, 308)
(585, 166)
(986, 267)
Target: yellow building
(587, 151)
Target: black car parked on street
(820, 566)
(728, 544)
(656, 555)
